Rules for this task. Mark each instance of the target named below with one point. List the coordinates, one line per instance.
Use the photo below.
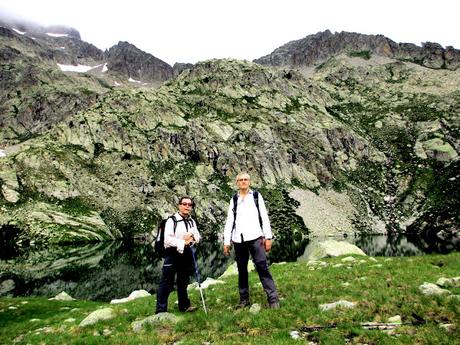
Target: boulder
(204, 285)
(432, 290)
(349, 259)
(255, 308)
(98, 315)
(448, 282)
(133, 295)
(6, 286)
(233, 270)
(395, 319)
(137, 326)
(63, 296)
(438, 149)
(449, 327)
(10, 185)
(334, 305)
(328, 248)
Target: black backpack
(160, 239)
(235, 205)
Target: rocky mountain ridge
(63, 45)
(321, 46)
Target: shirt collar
(250, 192)
(180, 217)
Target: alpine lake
(108, 270)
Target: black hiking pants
(257, 251)
(175, 264)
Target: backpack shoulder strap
(175, 221)
(235, 205)
(256, 201)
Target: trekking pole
(197, 277)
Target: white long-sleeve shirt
(176, 239)
(247, 220)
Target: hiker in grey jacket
(180, 233)
(248, 228)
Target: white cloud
(191, 31)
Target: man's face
(185, 207)
(243, 182)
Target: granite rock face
(319, 47)
(179, 67)
(132, 62)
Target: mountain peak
(131, 61)
(319, 47)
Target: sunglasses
(186, 204)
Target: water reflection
(104, 271)
(402, 245)
(101, 271)
(387, 246)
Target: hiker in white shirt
(248, 229)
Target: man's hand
(226, 250)
(267, 245)
(188, 238)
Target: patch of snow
(57, 35)
(19, 32)
(117, 84)
(134, 80)
(105, 69)
(34, 38)
(97, 66)
(2, 153)
(72, 68)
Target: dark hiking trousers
(257, 251)
(175, 264)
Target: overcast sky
(196, 30)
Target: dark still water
(110, 270)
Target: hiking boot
(242, 304)
(274, 305)
(190, 309)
